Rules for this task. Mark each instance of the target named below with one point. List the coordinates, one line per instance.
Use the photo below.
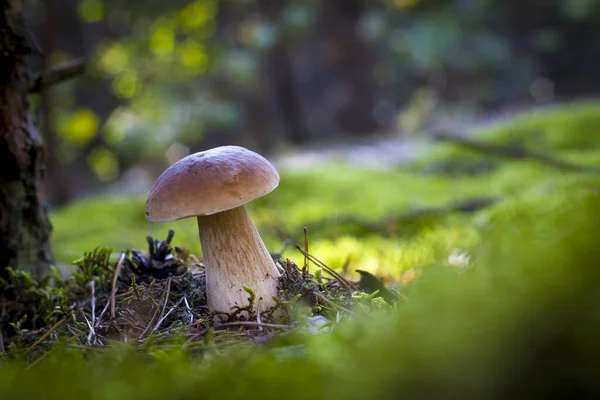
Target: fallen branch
(382, 225)
(512, 152)
(53, 76)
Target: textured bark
(235, 257)
(24, 224)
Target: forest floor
(488, 240)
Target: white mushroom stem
(235, 256)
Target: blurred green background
(341, 95)
(165, 79)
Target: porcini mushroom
(213, 186)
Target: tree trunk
(352, 62)
(24, 225)
(277, 72)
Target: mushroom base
(235, 256)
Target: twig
(2, 348)
(92, 333)
(188, 308)
(306, 246)
(45, 335)
(167, 314)
(325, 299)
(252, 324)
(57, 74)
(46, 354)
(325, 267)
(113, 300)
(93, 289)
(512, 152)
(102, 313)
(164, 305)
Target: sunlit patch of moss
(572, 128)
(301, 200)
(340, 204)
(390, 257)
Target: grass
(521, 320)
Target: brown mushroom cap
(209, 182)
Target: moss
(522, 320)
(505, 304)
(336, 202)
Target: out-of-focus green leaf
(104, 164)
(91, 10)
(79, 127)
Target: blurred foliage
(198, 72)
(355, 215)
(520, 321)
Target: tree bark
(24, 224)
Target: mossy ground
(351, 212)
(520, 318)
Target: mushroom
(213, 186)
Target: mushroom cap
(209, 182)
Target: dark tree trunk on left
(24, 225)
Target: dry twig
(45, 335)
(326, 268)
(57, 74)
(163, 304)
(113, 300)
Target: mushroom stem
(235, 256)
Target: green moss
(337, 202)
(521, 321)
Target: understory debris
(152, 298)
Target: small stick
(57, 74)
(167, 314)
(45, 335)
(327, 269)
(93, 288)
(75, 336)
(125, 294)
(165, 298)
(305, 246)
(325, 299)
(253, 324)
(102, 313)
(188, 308)
(113, 300)
(92, 333)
